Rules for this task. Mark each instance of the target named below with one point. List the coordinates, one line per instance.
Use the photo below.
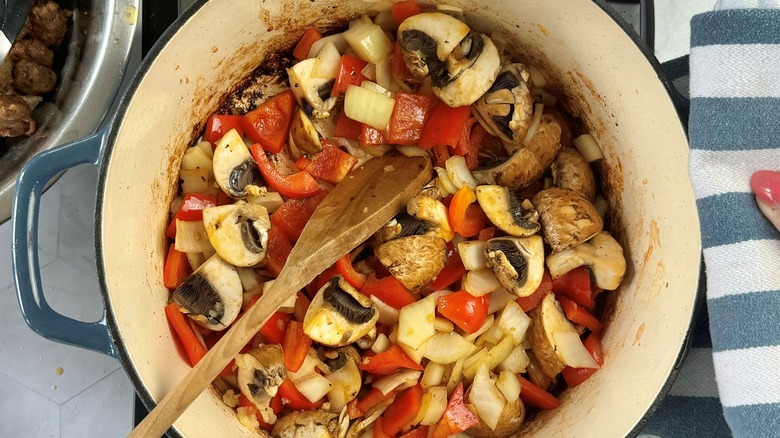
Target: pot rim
(144, 67)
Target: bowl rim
(121, 351)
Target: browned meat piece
(32, 50)
(6, 75)
(31, 78)
(48, 23)
(15, 117)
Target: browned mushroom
(307, 424)
(415, 260)
(571, 171)
(568, 218)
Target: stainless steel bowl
(98, 53)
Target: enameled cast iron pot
(610, 81)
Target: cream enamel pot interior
(610, 81)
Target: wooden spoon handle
(353, 211)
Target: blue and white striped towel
(734, 131)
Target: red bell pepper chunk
(192, 346)
(295, 346)
(536, 396)
(403, 410)
(403, 10)
(408, 118)
(373, 398)
(389, 290)
(378, 431)
(469, 143)
(274, 328)
(444, 125)
(420, 432)
(398, 68)
(579, 315)
(331, 165)
(279, 248)
(326, 276)
(293, 399)
(223, 198)
(530, 302)
(353, 410)
(191, 210)
(176, 269)
(466, 217)
(575, 285)
(346, 127)
(303, 47)
(219, 125)
(465, 310)
(345, 269)
(453, 270)
(371, 137)
(457, 417)
(487, 234)
(389, 362)
(575, 376)
(350, 69)
(302, 303)
(297, 185)
(293, 215)
(269, 123)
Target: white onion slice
(588, 147)
(191, 237)
(537, 78)
(481, 282)
(381, 344)
(399, 380)
(445, 348)
(368, 107)
(535, 122)
(459, 173)
(434, 403)
(412, 151)
(472, 254)
(508, 384)
(572, 352)
(433, 375)
(499, 299)
(388, 315)
(514, 322)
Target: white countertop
(52, 390)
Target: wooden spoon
(354, 210)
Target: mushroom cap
(339, 315)
(518, 263)
(212, 294)
(313, 94)
(260, 373)
(506, 108)
(307, 424)
(415, 260)
(507, 212)
(238, 232)
(234, 168)
(526, 164)
(432, 212)
(512, 418)
(547, 319)
(304, 137)
(467, 75)
(568, 218)
(571, 171)
(427, 39)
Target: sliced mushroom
(260, 373)
(469, 71)
(526, 164)
(235, 170)
(547, 320)
(568, 218)
(415, 260)
(307, 424)
(339, 315)
(432, 190)
(507, 212)
(536, 375)
(345, 377)
(312, 94)
(402, 225)
(238, 232)
(571, 171)
(517, 262)
(432, 212)
(304, 138)
(427, 39)
(506, 109)
(602, 254)
(212, 295)
(512, 417)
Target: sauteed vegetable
(471, 307)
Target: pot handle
(678, 72)
(29, 187)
